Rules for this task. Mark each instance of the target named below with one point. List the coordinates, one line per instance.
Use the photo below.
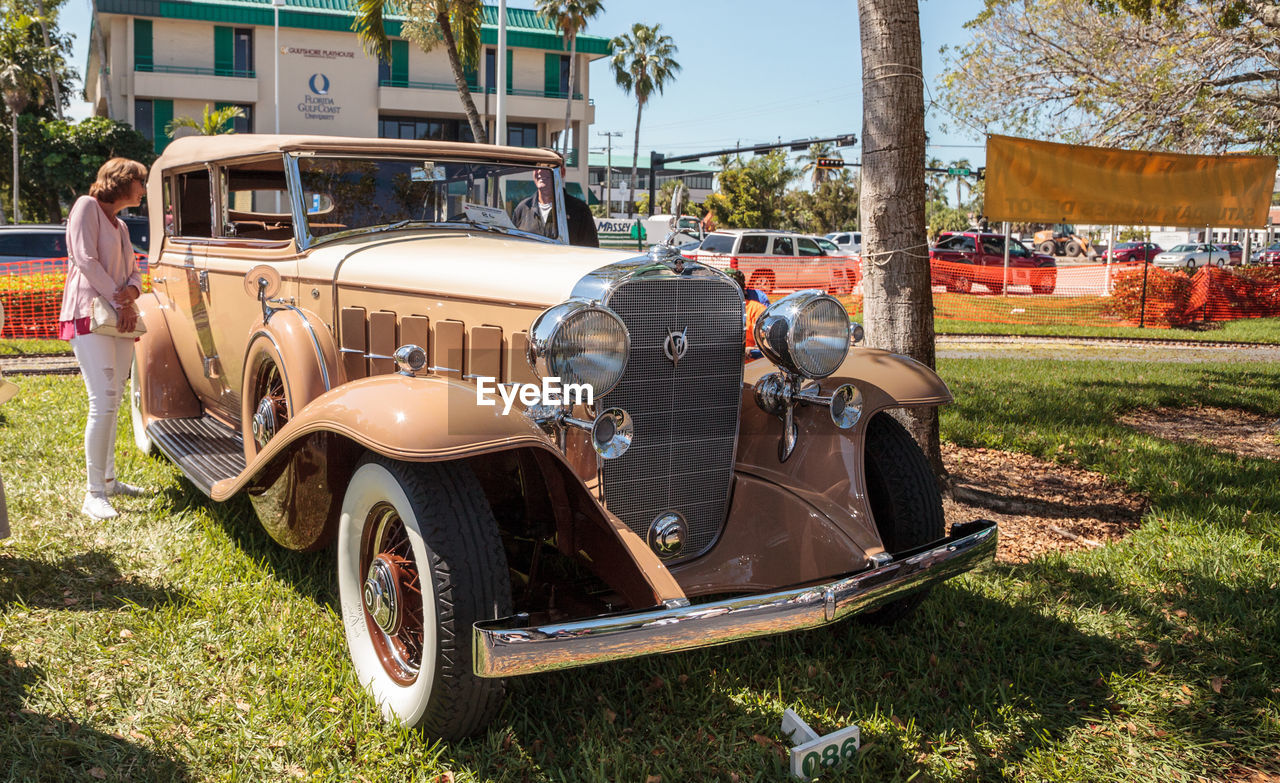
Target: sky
(750, 75)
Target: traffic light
(830, 163)
(982, 172)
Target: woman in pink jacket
(101, 263)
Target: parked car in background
(1133, 251)
(1269, 256)
(1234, 251)
(1192, 255)
(353, 371)
(139, 232)
(847, 240)
(960, 259)
(27, 242)
(772, 260)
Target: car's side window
(753, 244)
(12, 244)
(717, 243)
(254, 201)
(808, 247)
(782, 246)
(993, 246)
(192, 214)
(47, 245)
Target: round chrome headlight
(579, 342)
(806, 333)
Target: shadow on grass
(37, 747)
(312, 574)
(966, 667)
(83, 582)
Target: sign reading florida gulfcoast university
(1066, 183)
(324, 89)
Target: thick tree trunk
(568, 101)
(635, 160)
(460, 76)
(898, 303)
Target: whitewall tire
(419, 561)
(140, 438)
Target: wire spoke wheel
(392, 594)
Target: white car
(849, 241)
(1192, 256)
(778, 260)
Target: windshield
(346, 194)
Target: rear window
(753, 244)
(47, 245)
(717, 243)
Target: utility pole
(500, 124)
(608, 169)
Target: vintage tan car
(356, 334)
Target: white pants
(104, 365)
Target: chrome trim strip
(293, 178)
(315, 341)
(501, 648)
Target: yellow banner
(1043, 182)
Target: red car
(960, 259)
(1236, 252)
(1133, 251)
(1270, 256)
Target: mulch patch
(1233, 431)
(1040, 506)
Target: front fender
(438, 419)
(815, 503)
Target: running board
(206, 450)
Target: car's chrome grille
(685, 413)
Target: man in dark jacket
(537, 214)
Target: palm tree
(963, 163)
(643, 61)
(430, 23)
(822, 149)
(212, 122)
(570, 18)
(19, 88)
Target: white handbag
(104, 320)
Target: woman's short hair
(114, 178)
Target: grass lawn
(178, 642)
(21, 347)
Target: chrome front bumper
(503, 648)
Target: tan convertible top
(200, 149)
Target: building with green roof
(171, 58)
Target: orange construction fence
(1123, 294)
(31, 292)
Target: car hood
(461, 263)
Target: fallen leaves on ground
(1233, 431)
(1028, 497)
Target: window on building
(144, 118)
(522, 134)
(564, 75)
(242, 50)
(384, 72)
(438, 129)
(491, 70)
(242, 124)
(192, 216)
